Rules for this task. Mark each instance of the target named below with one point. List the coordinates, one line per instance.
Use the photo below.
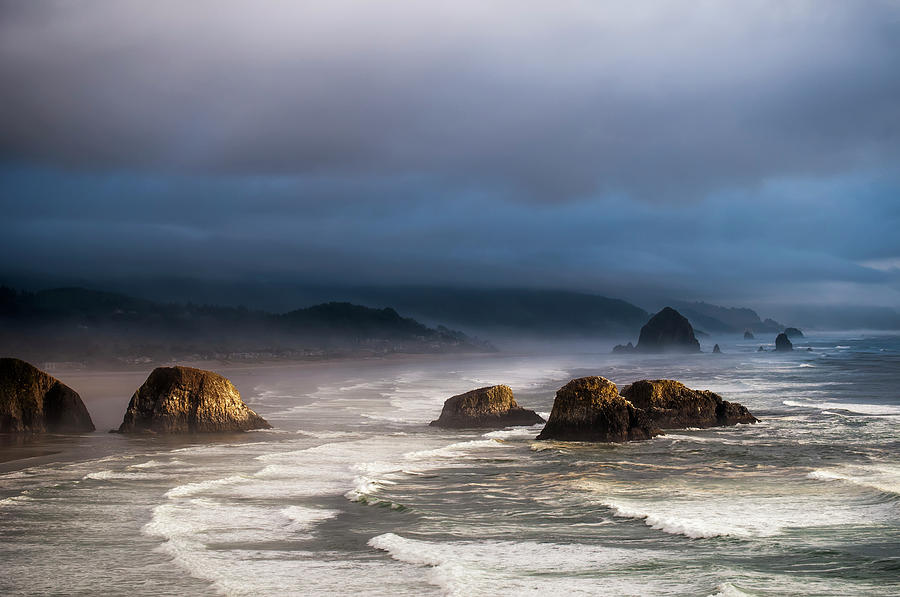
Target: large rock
(493, 406)
(668, 331)
(187, 400)
(783, 343)
(591, 409)
(32, 401)
(670, 404)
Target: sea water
(353, 492)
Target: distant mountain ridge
(77, 324)
(511, 310)
(725, 320)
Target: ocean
(353, 493)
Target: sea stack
(187, 400)
(793, 333)
(783, 343)
(668, 331)
(591, 409)
(32, 401)
(492, 407)
(717, 350)
(670, 404)
(748, 335)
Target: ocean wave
(304, 519)
(517, 567)
(689, 526)
(726, 589)
(517, 433)
(158, 464)
(124, 476)
(16, 500)
(191, 489)
(879, 477)
(859, 408)
(454, 450)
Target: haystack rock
(493, 406)
(187, 400)
(793, 333)
(748, 335)
(668, 331)
(783, 343)
(32, 401)
(591, 409)
(670, 404)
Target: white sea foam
(468, 568)
(158, 464)
(16, 500)
(726, 589)
(707, 512)
(860, 408)
(191, 489)
(879, 477)
(123, 476)
(455, 450)
(516, 433)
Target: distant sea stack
(670, 404)
(717, 350)
(793, 333)
(748, 335)
(493, 406)
(783, 343)
(591, 409)
(187, 400)
(668, 331)
(32, 401)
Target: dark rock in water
(748, 335)
(782, 343)
(591, 409)
(626, 348)
(187, 400)
(716, 349)
(670, 404)
(793, 333)
(493, 406)
(668, 331)
(32, 401)
(760, 349)
(809, 350)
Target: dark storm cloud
(734, 151)
(661, 100)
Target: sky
(741, 152)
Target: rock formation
(591, 409)
(670, 404)
(793, 333)
(717, 350)
(619, 348)
(748, 335)
(668, 331)
(783, 344)
(186, 400)
(760, 349)
(493, 406)
(32, 401)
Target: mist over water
(352, 492)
